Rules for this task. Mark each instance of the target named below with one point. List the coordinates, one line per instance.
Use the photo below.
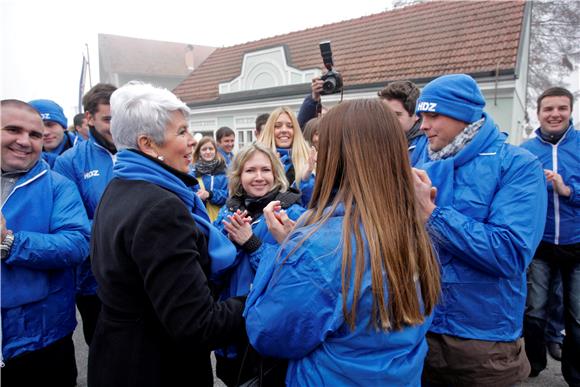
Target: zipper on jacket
(556, 196)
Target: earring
(160, 158)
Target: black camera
(332, 78)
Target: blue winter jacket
(306, 187)
(228, 157)
(418, 149)
(90, 167)
(307, 111)
(244, 269)
(489, 219)
(218, 186)
(563, 220)
(294, 311)
(68, 141)
(51, 237)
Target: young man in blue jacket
(45, 235)
(557, 145)
(486, 222)
(401, 97)
(90, 166)
(56, 138)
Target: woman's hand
(312, 156)
(425, 193)
(279, 224)
(239, 227)
(202, 194)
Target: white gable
(267, 68)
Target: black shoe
(555, 350)
(534, 373)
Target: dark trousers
(549, 258)
(555, 322)
(89, 307)
(53, 365)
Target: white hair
(142, 109)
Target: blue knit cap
(50, 111)
(456, 96)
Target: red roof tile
(419, 41)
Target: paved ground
(551, 377)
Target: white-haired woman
(152, 252)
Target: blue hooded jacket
(51, 237)
(563, 219)
(489, 219)
(306, 187)
(90, 167)
(294, 311)
(244, 269)
(418, 149)
(68, 141)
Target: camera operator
(309, 108)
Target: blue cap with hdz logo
(457, 96)
(50, 111)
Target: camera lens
(329, 85)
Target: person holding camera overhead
(329, 83)
(282, 134)
(349, 295)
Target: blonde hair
(300, 149)
(363, 164)
(237, 168)
(202, 142)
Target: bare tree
(554, 48)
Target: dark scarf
(255, 206)
(99, 139)
(552, 138)
(414, 132)
(214, 167)
(134, 165)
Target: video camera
(332, 78)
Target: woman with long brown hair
(348, 299)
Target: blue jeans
(547, 260)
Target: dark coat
(159, 318)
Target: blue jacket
(51, 237)
(244, 269)
(68, 141)
(307, 111)
(90, 167)
(418, 149)
(306, 187)
(218, 186)
(563, 220)
(228, 157)
(294, 311)
(491, 206)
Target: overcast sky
(42, 41)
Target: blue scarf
(441, 172)
(133, 166)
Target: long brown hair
(363, 164)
